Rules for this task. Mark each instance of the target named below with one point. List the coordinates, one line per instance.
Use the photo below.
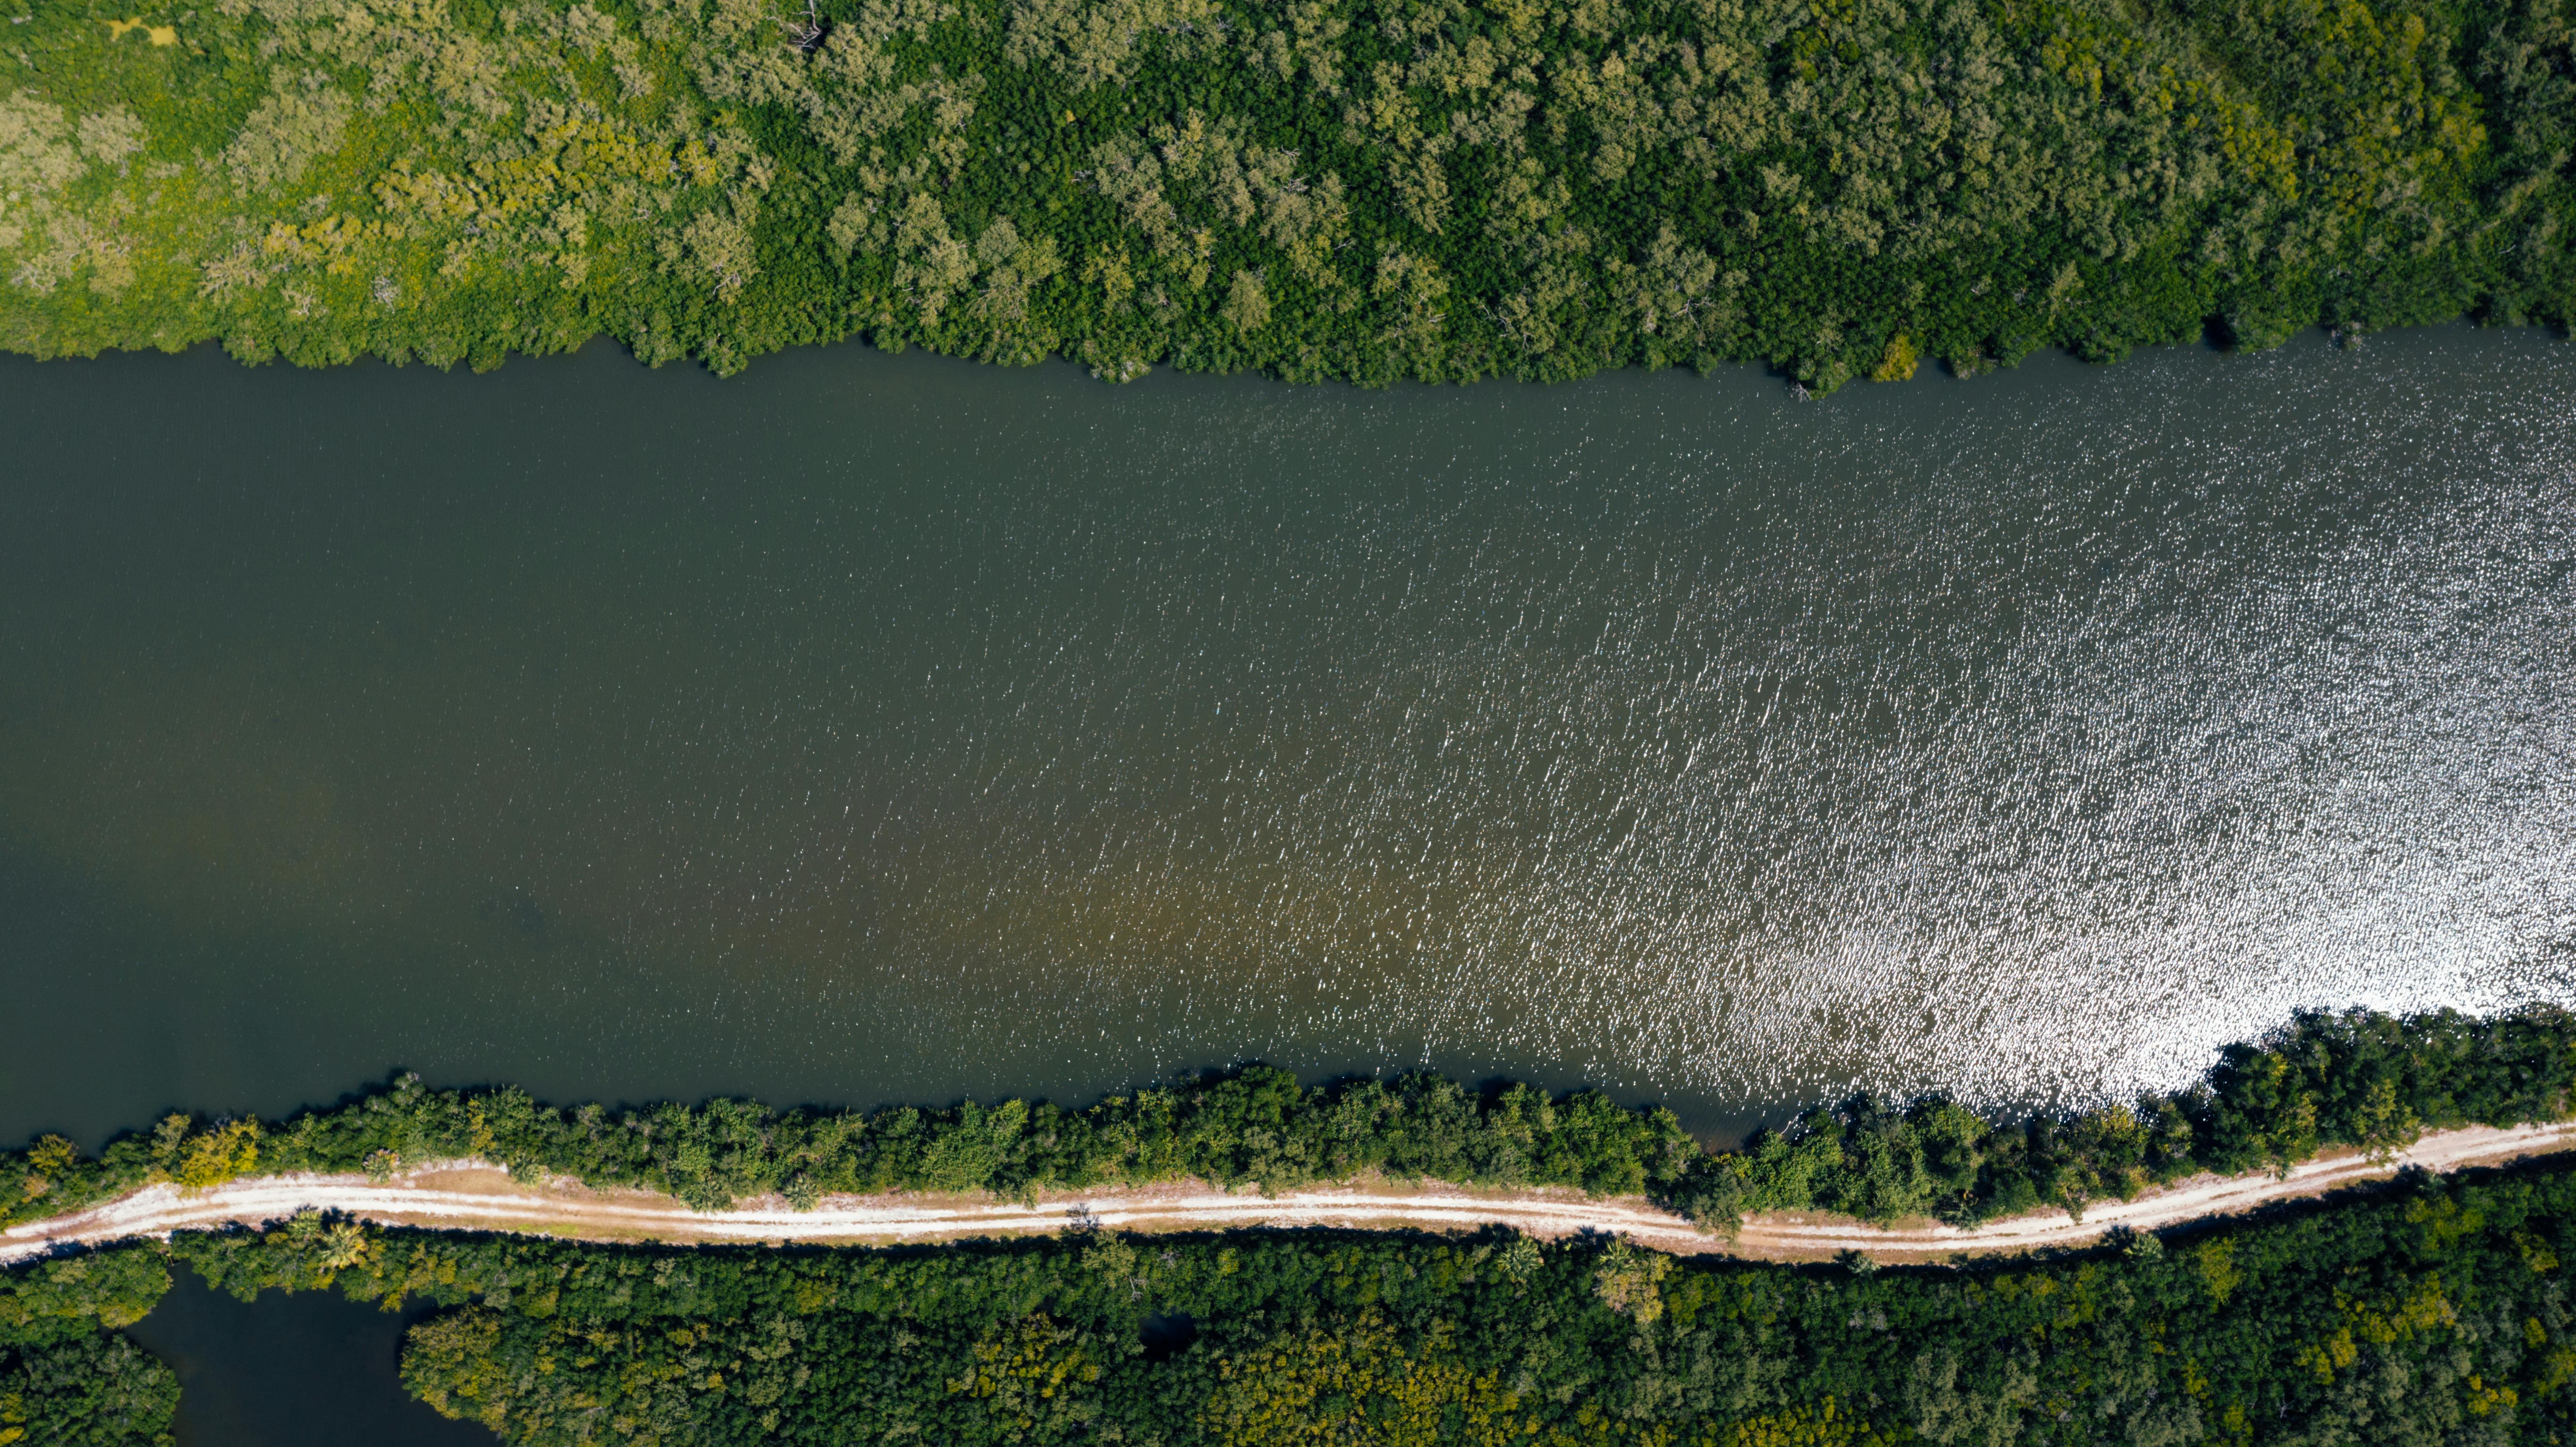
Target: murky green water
(875, 728)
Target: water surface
(309, 1370)
(881, 728)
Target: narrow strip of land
(2188, 1200)
(472, 1195)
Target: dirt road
(477, 1196)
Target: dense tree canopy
(2434, 1313)
(2354, 1079)
(1364, 189)
(65, 1377)
(2437, 1317)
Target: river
(873, 728)
(879, 728)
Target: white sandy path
(477, 1196)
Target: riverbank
(1369, 194)
(476, 1195)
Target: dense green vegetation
(2439, 1318)
(2356, 1079)
(66, 1379)
(2434, 1313)
(2353, 1079)
(2437, 1314)
(1364, 189)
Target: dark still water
(312, 1370)
(874, 728)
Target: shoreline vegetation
(477, 1195)
(1367, 190)
(2361, 1080)
(2431, 1311)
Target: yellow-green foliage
(197, 1159)
(1625, 1279)
(1898, 363)
(47, 1160)
(334, 1246)
(2360, 1322)
(1822, 1426)
(2217, 1262)
(1028, 1375)
(1356, 1386)
(1362, 188)
(449, 1363)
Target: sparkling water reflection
(874, 728)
